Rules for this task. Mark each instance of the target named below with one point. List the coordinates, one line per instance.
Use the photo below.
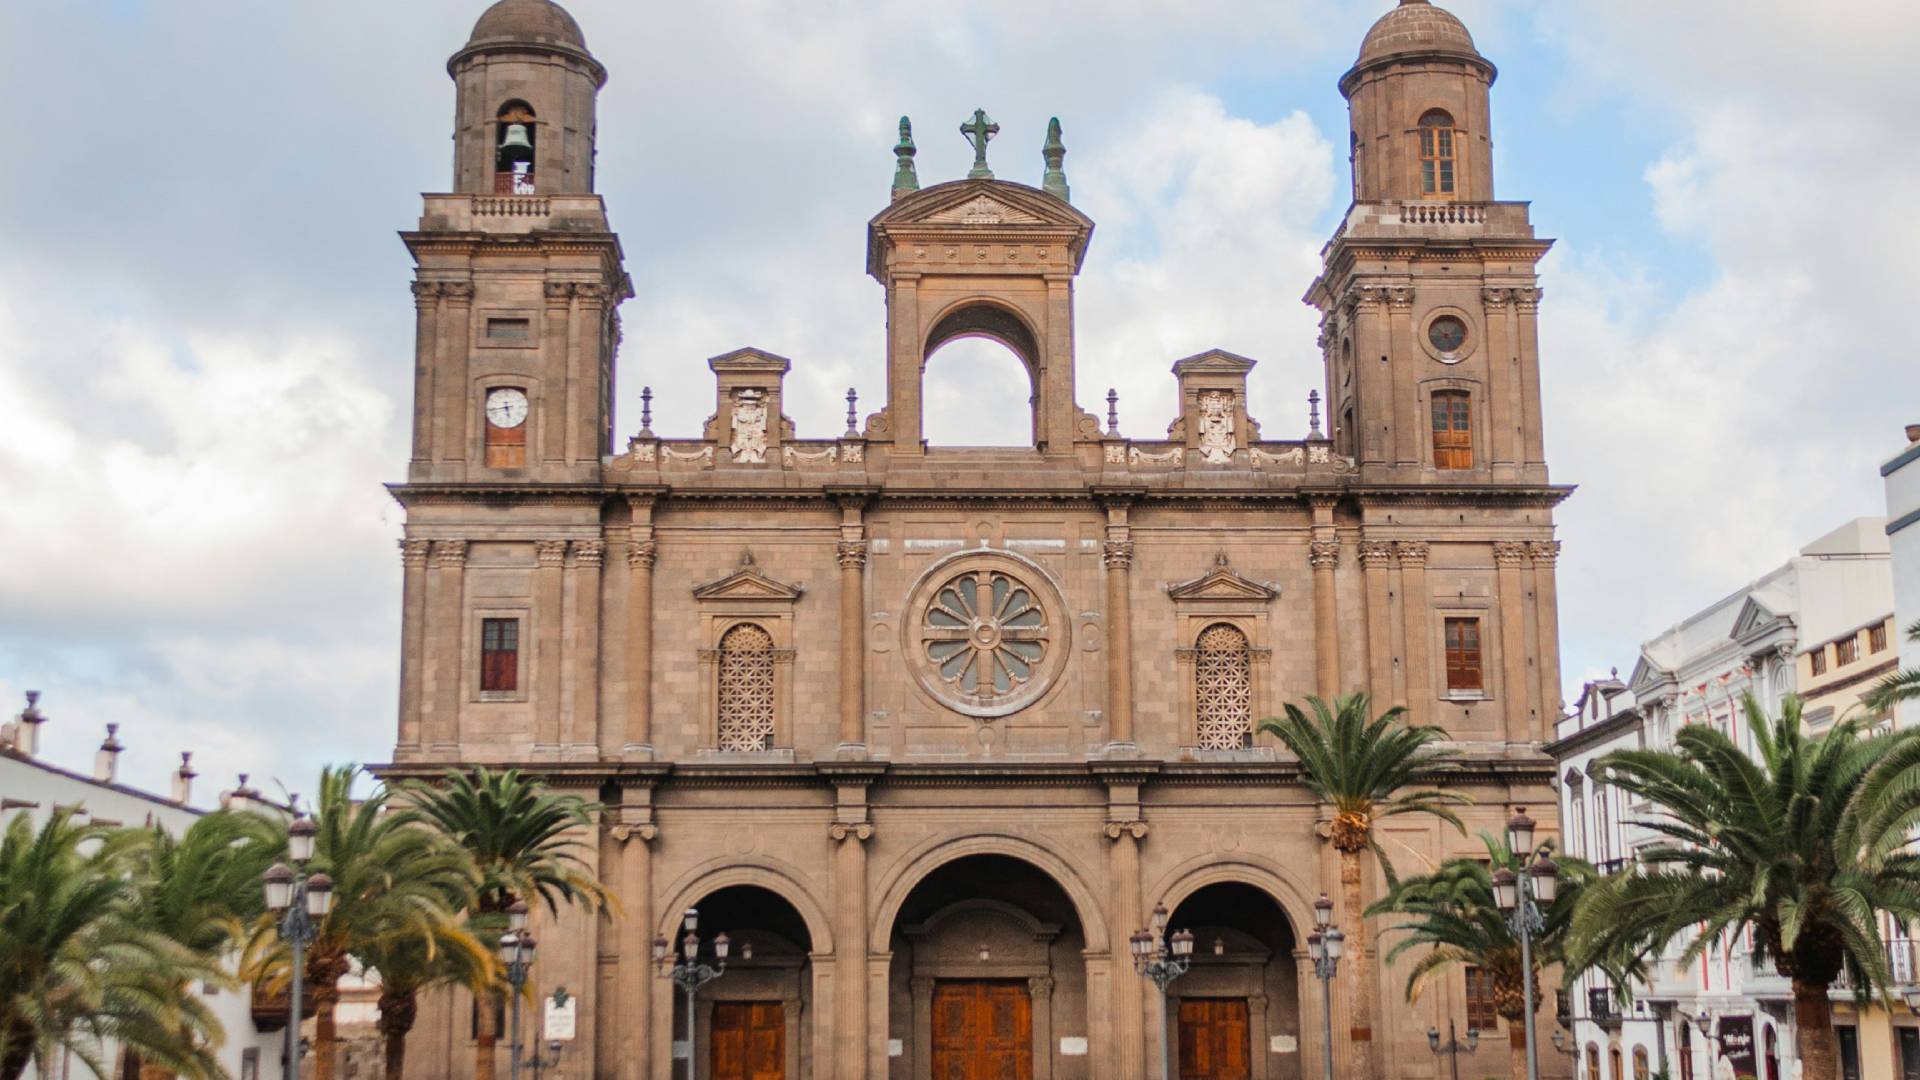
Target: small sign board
(562, 1016)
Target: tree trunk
(1365, 980)
(483, 1035)
(16, 1054)
(398, 1010)
(1813, 1031)
(1517, 1048)
(323, 972)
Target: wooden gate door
(749, 1040)
(1213, 1039)
(982, 1030)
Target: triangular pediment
(982, 203)
(1214, 360)
(1756, 620)
(985, 210)
(1222, 582)
(747, 583)
(1648, 677)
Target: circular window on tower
(1447, 337)
(986, 632)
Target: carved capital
(1323, 554)
(1119, 554)
(426, 292)
(1495, 298)
(551, 553)
(1376, 554)
(460, 292)
(1400, 297)
(591, 291)
(1411, 552)
(1040, 985)
(451, 554)
(1544, 552)
(1361, 297)
(558, 292)
(853, 554)
(643, 833)
(1528, 299)
(641, 554)
(1510, 553)
(413, 553)
(1117, 829)
(589, 553)
(841, 830)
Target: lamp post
(1516, 895)
(301, 903)
(1162, 959)
(516, 952)
(1454, 1045)
(690, 974)
(1325, 945)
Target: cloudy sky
(205, 326)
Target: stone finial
(646, 412)
(1313, 415)
(183, 779)
(853, 414)
(1113, 411)
(1913, 433)
(978, 131)
(905, 179)
(1054, 181)
(26, 733)
(106, 761)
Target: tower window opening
(1437, 153)
(499, 655)
(1452, 430)
(513, 144)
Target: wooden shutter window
(1452, 430)
(1480, 1014)
(506, 447)
(1818, 658)
(499, 655)
(1436, 154)
(1463, 655)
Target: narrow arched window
(746, 705)
(1223, 689)
(514, 133)
(1452, 430)
(1436, 153)
(1641, 1071)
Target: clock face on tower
(506, 407)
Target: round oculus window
(1447, 333)
(986, 634)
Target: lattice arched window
(1223, 688)
(746, 708)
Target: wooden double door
(1214, 1038)
(982, 1030)
(749, 1040)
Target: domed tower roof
(541, 22)
(1416, 26)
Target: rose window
(985, 633)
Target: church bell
(516, 138)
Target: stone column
(554, 347)
(1416, 628)
(1040, 990)
(446, 600)
(549, 591)
(584, 734)
(850, 935)
(454, 413)
(1373, 390)
(413, 622)
(636, 832)
(1324, 556)
(1119, 561)
(426, 304)
(1406, 422)
(642, 551)
(921, 986)
(1511, 558)
(1503, 386)
(853, 620)
(1546, 599)
(1533, 454)
(1376, 556)
(1129, 1001)
(904, 423)
(585, 432)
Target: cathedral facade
(930, 732)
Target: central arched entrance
(1235, 1015)
(988, 974)
(748, 1023)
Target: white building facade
(1807, 627)
(1902, 476)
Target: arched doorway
(1235, 1015)
(988, 976)
(747, 1023)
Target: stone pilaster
(1546, 599)
(453, 417)
(426, 317)
(553, 433)
(1118, 554)
(584, 734)
(853, 620)
(635, 832)
(1376, 560)
(586, 434)
(413, 623)
(1129, 999)
(850, 966)
(1500, 446)
(549, 594)
(446, 602)
(1416, 628)
(642, 551)
(1511, 559)
(1526, 306)
(1405, 440)
(1324, 557)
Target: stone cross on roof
(978, 130)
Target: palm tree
(1803, 844)
(1366, 768)
(201, 888)
(408, 965)
(1453, 913)
(77, 969)
(1903, 685)
(393, 882)
(525, 841)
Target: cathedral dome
(531, 21)
(1416, 26)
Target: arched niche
(977, 333)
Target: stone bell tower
(1428, 294)
(519, 272)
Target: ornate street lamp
(1325, 945)
(516, 952)
(1454, 1045)
(1516, 894)
(302, 904)
(690, 974)
(1162, 959)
